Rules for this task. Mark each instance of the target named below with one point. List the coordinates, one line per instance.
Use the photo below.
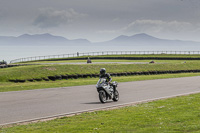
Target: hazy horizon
(9, 53)
(95, 42)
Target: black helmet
(102, 71)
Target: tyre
(116, 96)
(102, 96)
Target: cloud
(50, 17)
(157, 26)
(154, 26)
(107, 31)
(162, 29)
(1, 15)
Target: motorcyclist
(105, 75)
(108, 78)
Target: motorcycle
(105, 93)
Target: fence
(102, 53)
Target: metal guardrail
(35, 58)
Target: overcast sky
(101, 20)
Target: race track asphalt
(28, 105)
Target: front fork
(107, 89)
(110, 94)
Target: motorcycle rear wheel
(102, 96)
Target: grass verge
(164, 56)
(111, 60)
(180, 114)
(7, 86)
(43, 71)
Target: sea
(8, 53)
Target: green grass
(178, 115)
(43, 71)
(155, 55)
(125, 55)
(109, 60)
(141, 55)
(9, 86)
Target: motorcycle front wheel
(116, 96)
(102, 96)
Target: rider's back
(106, 76)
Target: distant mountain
(146, 40)
(139, 40)
(137, 37)
(40, 39)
